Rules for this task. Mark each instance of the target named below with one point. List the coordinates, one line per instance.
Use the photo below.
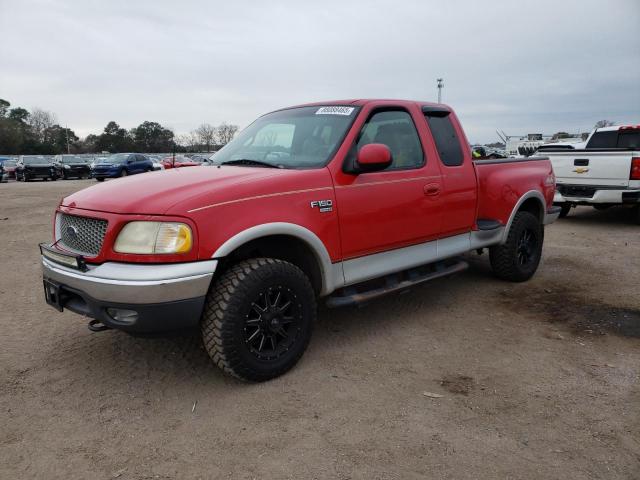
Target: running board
(369, 290)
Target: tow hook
(97, 326)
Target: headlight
(154, 237)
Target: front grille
(81, 234)
(576, 191)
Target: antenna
(440, 85)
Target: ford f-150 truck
(345, 201)
(606, 172)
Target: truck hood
(154, 193)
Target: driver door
(394, 208)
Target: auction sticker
(335, 111)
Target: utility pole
(440, 85)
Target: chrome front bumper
(128, 283)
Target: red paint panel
(501, 185)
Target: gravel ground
(466, 377)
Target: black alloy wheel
(272, 323)
(526, 247)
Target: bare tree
(190, 141)
(40, 121)
(206, 135)
(604, 123)
(226, 132)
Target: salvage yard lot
(466, 377)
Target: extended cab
(606, 172)
(344, 201)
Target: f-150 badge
(323, 205)
(581, 170)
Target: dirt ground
(466, 377)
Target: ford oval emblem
(72, 232)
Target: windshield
(117, 158)
(73, 159)
(304, 137)
(34, 160)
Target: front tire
(123, 173)
(517, 259)
(100, 179)
(258, 319)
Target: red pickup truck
(345, 200)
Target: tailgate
(592, 168)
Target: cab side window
(446, 138)
(395, 129)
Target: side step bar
(366, 291)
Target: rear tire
(258, 318)
(517, 259)
(100, 179)
(565, 208)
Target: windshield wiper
(251, 163)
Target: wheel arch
(533, 202)
(289, 242)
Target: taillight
(635, 169)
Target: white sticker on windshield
(335, 111)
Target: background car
(30, 167)
(3, 174)
(178, 161)
(121, 165)
(201, 159)
(9, 167)
(72, 166)
(157, 162)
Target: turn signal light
(635, 169)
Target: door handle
(432, 189)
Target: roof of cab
(617, 127)
(363, 101)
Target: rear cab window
(445, 138)
(607, 139)
(628, 138)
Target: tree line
(37, 132)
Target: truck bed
(501, 182)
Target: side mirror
(374, 157)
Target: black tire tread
(216, 326)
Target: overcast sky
(519, 66)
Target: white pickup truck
(606, 172)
